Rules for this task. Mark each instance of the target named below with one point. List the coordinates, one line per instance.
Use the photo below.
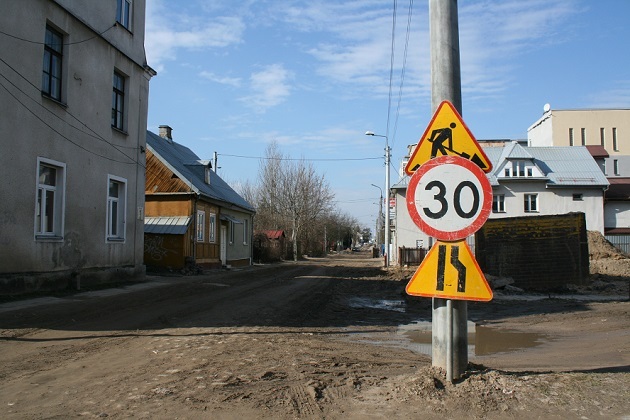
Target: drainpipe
(194, 233)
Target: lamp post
(387, 157)
(379, 224)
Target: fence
(621, 242)
(411, 256)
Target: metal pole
(446, 85)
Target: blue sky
(314, 76)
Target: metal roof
(192, 170)
(170, 225)
(571, 166)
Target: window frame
(245, 231)
(571, 139)
(578, 197)
(118, 101)
(120, 211)
(231, 233)
(124, 13)
(614, 139)
(53, 60)
(616, 167)
(602, 136)
(200, 226)
(530, 204)
(212, 223)
(583, 136)
(498, 203)
(59, 200)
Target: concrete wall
(617, 214)
(76, 132)
(541, 253)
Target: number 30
(441, 194)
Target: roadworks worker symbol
(450, 271)
(447, 135)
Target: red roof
(274, 234)
(597, 151)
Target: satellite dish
(547, 108)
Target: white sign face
(449, 198)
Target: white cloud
(270, 87)
(615, 97)
(167, 32)
(231, 81)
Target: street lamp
(387, 157)
(379, 223)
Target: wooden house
(192, 216)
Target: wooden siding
(160, 179)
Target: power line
(402, 70)
(95, 135)
(68, 43)
(302, 159)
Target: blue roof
(192, 170)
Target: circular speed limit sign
(449, 198)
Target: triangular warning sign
(447, 134)
(450, 271)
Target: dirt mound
(599, 248)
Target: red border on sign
(475, 225)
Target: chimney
(165, 132)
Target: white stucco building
(526, 181)
(73, 114)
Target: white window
(201, 225)
(245, 231)
(53, 60)
(531, 203)
(50, 200)
(498, 203)
(118, 101)
(212, 222)
(616, 167)
(116, 208)
(123, 13)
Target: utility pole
(215, 162)
(449, 320)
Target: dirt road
(316, 339)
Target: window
(116, 205)
(531, 203)
(578, 197)
(201, 225)
(583, 134)
(53, 58)
(245, 231)
(118, 101)
(614, 135)
(570, 137)
(616, 167)
(50, 199)
(123, 13)
(498, 203)
(602, 136)
(530, 172)
(212, 221)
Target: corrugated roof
(187, 165)
(562, 166)
(169, 225)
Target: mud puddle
(417, 336)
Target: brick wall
(538, 252)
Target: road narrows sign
(449, 198)
(450, 271)
(447, 135)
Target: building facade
(526, 181)
(607, 133)
(193, 217)
(73, 105)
